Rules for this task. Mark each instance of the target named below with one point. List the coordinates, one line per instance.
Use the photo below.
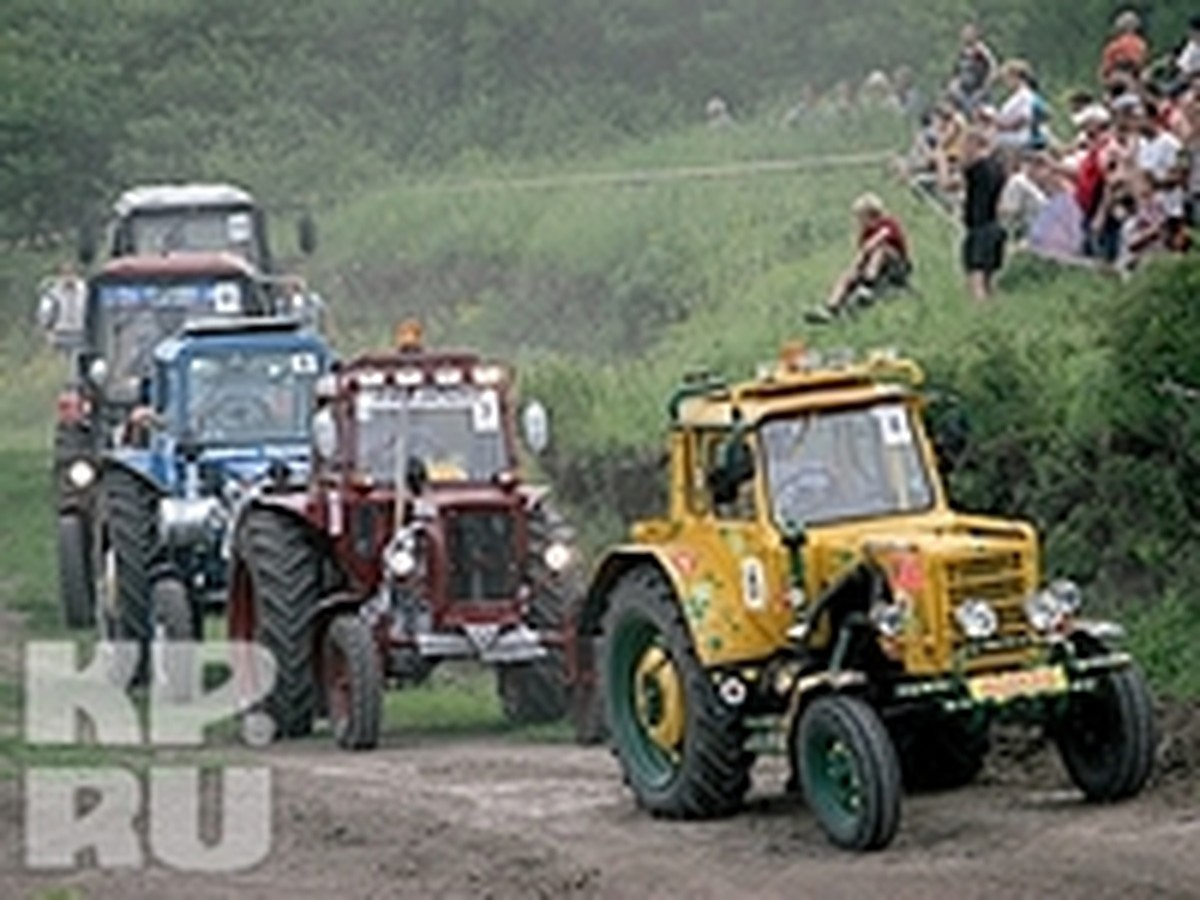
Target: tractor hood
(932, 534)
(248, 465)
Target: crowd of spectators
(1112, 178)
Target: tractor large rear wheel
(75, 582)
(131, 514)
(681, 748)
(285, 568)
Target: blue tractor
(228, 419)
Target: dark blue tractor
(228, 419)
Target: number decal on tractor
(754, 584)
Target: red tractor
(416, 542)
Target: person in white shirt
(1020, 119)
(1161, 161)
(1022, 199)
(1188, 60)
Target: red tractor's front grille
(481, 549)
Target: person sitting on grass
(882, 261)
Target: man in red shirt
(882, 260)
(1125, 55)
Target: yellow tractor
(810, 590)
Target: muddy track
(496, 818)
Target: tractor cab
(420, 438)
(136, 302)
(194, 218)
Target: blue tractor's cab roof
(217, 335)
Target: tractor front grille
(997, 578)
(481, 548)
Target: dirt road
(488, 817)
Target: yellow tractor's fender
(615, 564)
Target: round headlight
(977, 619)
(1068, 594)
(324, 431)
(97, 372)
(401, 556)
(81, 474)
(889, 619)
(557, 556)
(1050, 607)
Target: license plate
(1023, 683)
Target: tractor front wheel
(849, 772)
(75, 572)
(175, 634)
(1106, 736)
(353, 682)
(681, 749)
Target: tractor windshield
(204, 230)
(251, 396)
(845, 464)
(131, 318)
(457, 432)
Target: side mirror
(86, 244)
(306, 234)
(949, 429)
(535, 424)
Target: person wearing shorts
(984, 177)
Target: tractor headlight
(557, 556)
(889, 619)
(82, 474)
(97, 372)
(400, 556)
(1050, 607)
(977, 619)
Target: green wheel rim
(648, 762)
(834, 779)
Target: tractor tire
(286, 579)
(353, 682)
(938, 753)
(131, 514)
(533, 693)
(536, 692)
(175, 634)
(849, 772)
(681, 749)
(1106, 738)
(75, 583)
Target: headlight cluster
(1050, 607)
(400, 555)
(557, 556)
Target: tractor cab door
(740, 604)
